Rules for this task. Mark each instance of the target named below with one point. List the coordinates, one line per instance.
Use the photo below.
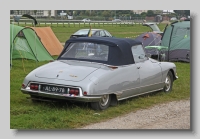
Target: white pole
(35, 45)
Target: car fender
(166, 67)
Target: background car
(86, 20)
(173, 19)
(153, 27)
(95, 32)
(116, 20)
(100, 71)
(183, 18)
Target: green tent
(24, 43)
(177, 38)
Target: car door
(149, 72)
(129, 81)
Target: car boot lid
(65, 71)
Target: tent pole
(152, 41)
(11, 46)
(170, 41)
(35, 22)
(35, 46)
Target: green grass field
(25, 114)
(63, 32)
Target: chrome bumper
(62, 96)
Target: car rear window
(87, 51)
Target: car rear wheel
(168, 82)
(103, 104)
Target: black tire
(168, 82)
(103, 104)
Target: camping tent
(177, 38)
(49, 40)
(24, 43)
(150, 39)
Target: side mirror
(141, 57)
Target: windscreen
(154, 27)
(83, 32)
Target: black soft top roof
(119, 50)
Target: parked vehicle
(101, 71)
(153, 27)
(86, 20)
(183, 18)
(95, 32)
(173, 19)
(116, 20)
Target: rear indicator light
(74, 91)
(34, 86)
(85, 93)
(23, 85)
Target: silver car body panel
(98, 79)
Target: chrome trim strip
(140, 94)
(82, 98)
(139, 87)
(118, 93)
(41, 83)
(58, 96)
(152, 84)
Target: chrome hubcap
(104, 100)
(167, 83)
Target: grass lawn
(132, 31)
(25, 114)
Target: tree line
(114, 13)
(120, 13)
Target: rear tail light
(34, 86)
(74, 91)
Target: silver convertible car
(101, 71)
